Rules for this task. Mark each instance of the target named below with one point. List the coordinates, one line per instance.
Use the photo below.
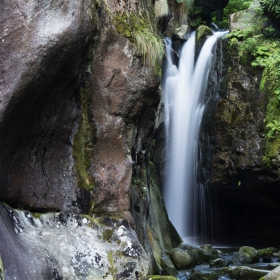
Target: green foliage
(233, 6)
(138, 29)
(272, 6)
(195, 14)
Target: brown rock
(122, 90)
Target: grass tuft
(161, 8)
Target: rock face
(69, 246)
(77, 111)
(42, 48)
(123, 90)
(234, 139)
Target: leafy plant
(253, 46)
(272, 6)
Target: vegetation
(272, 6)
(261, 48)
(83, 144)
(233, 6)
(138, 29)
(161, 8)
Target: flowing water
(183, 91)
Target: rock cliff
(78, 100)
(245, 186)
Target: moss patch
(83, 143)
(138, 29)
(107, 235)
(111, 268)
(260, 50)
(160, 277)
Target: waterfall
(183, 97)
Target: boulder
(245, 273)
(273, 275)
(200, 253)
(181, 259)
(202, 32)
(272, 266)
(219, 263)
(210, 249)
(197, 275)
(183, 31)
(246, 255)
(68, 246)
(160, 277)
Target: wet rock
(183, 32)
(267, 254)
(68, 246)
(210, 249)
(202, 32)
(154, 231)
(246, 255)
(160, 277)
(197, 275)
(2, 271)
(168, 267)
(181, 258)
(273, 275)
(272, 266)
(201, 254)
(219, 263)
(245, 273)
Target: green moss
(83, 144)
(202, 32)
(112, 269)
(138, 29)
(160, 277)
(255, 50)
(2, 271)
(36, 215)
(107, 235)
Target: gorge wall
(78, 103)
(245, 187)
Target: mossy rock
(201, 254)
(160, 277)
(246, 273)
(210, 249)
(197, 275)
(202, 32)
(219, 263)
(181, 259)
(246, 255)
(2, 273)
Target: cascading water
(183, 91)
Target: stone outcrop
(244, 188)
(68, 246)
(77, 110)
(43, 46)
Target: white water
(183, 91)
